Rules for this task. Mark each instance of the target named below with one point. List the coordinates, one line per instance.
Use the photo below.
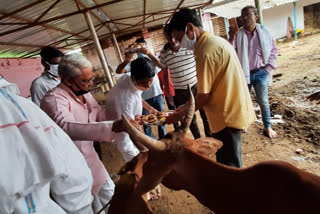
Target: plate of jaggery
(156, 119)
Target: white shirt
(41, 86)
(38, 159)
(124, 98)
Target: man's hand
(170, 100)
(139, 119)
(119, 126)
(128, 57)
(177, 115)
(153, 111)
(144, 51)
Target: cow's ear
(208, 146)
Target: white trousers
(104, 196)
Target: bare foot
(270, 133)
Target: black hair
(142, 68)
(166, 46)
(181, 18)
(246, 8)
(47, 53)
(140, 40)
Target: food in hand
(151, 118)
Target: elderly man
(75, 110)
(50, 58)
(257, 52)
(41, 169)
(222, 89)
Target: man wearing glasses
(257, 53)
(74, 109)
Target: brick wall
(21, 72)
(158, 40)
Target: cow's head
(164, 154)
(164, 162)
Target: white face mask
(186, 42)
(53, 69)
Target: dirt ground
(299, 65)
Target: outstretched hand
(119, 126)
(177, 115)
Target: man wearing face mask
(74, 109)
(222, 89)
(50, 58)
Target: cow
(180, 163)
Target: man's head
(249, 17)
(50, 58)
(140, 41)
(174, 46)
(76, 72)
(142, 73)
(184, 27)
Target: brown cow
(269, 187)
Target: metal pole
(295, 20)
(117, 46)
(259, 6)
(99, 49)
(201, 17)
(226, 23)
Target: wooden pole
(259, 6)
(99, 49)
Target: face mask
(186, 42)
(80, 92)
(53, 70)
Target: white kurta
(125, 98)
(37, 158)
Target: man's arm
(154, 59)
(272, 61)
(148, 107)
(201, 100)
(167, 85)
(57, 107)
(121, 67)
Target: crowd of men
(54, 167)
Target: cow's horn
(191, 107)
(147, 141)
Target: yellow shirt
(220, 74)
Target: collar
(133, 87)
(201, 40)
(50, 76)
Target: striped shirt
(182, 67)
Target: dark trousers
(206, 126)
(97, 147)
(180, 98)
(230, 153)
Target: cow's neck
(207, 180)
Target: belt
(256, 70)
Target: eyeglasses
(247, 14)
(86, 82)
